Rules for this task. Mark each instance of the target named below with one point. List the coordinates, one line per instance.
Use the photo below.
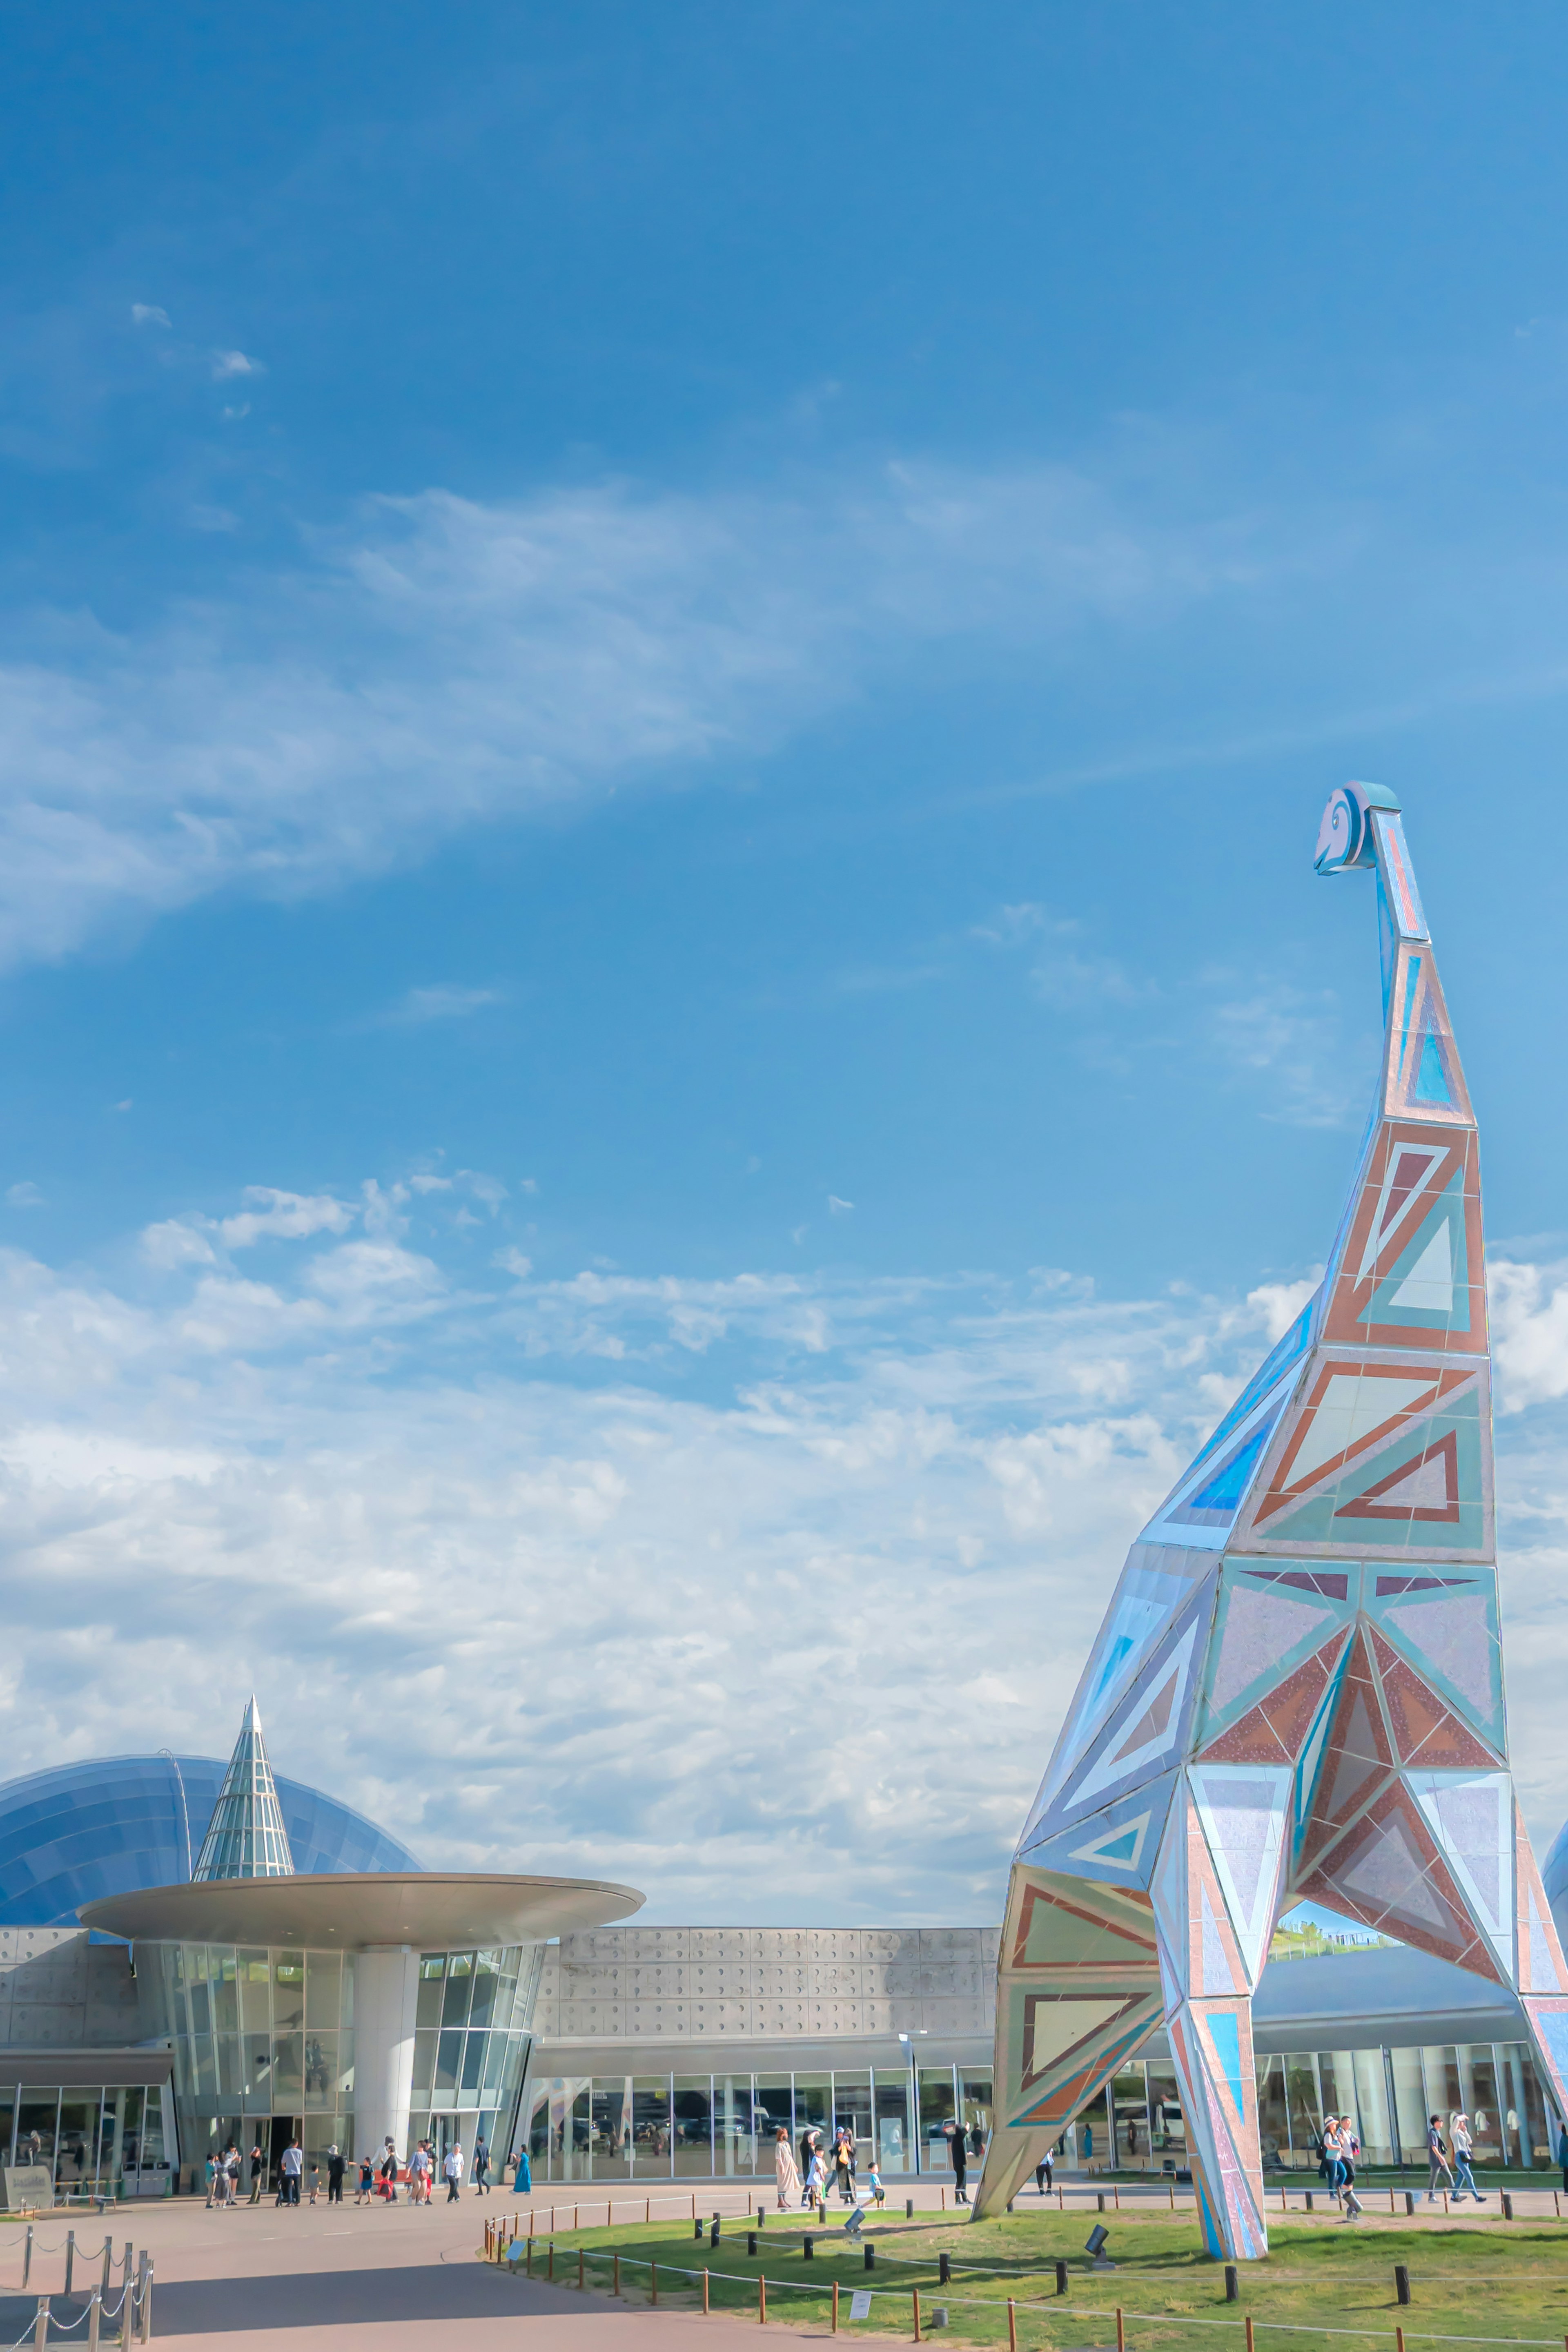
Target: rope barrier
(1143, 2319)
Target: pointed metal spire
(245, 1837)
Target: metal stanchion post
(1012, 2326)
(70, 2259)
(126, 2294)
(27, 2256)
(41, 2327)
(94, 2318)
(916, 2293)
(108, 2265)
(147, 2304)
(762, 2303)
(1121, 2331)
(705, 2294)
(143, 2273)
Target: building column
(386, 1994)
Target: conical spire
(245, 1837)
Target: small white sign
(860, 2305)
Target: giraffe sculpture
(1297, 1692)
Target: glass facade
(102, 2140)
(471, 2044)
(665, 2126)
(78, 1832)
(263, 2046)
(1137, 2124)
(722, 2126)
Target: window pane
(1305, 2100)
(1372, 2108)
(225, 1993)
(891, 2109)
(288, 1992)
(1129, 2116)
(424, 2065)
(320, 2069)
(323, 1988)
(936, 2109)
(78, 2133)
(486, 1984)
(1409, 2099)
(473, 2061)
(1481, 2101)
(432, 1980)
(694, 2125)
(611, 2127)
(772, 2104)
(287, 2072)
(448, 2059)
(255, 1992)
(733, 2138)
(650, 2123)
(459, 1984)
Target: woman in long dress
(786, 2171)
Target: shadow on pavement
(231, 2307)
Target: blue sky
(668, 680)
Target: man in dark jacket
(958, 2149)
(334, 2176)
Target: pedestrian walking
(481, 2167)
(389, 2171)
(1463, 2146)
(315, 2177)
(453, 2168)
(1044, 2172)
(845, 2163)
(290, 2168)
(786, 2171)
(879, 2194)
(335, 2170)
(958, 2152)
(816, 2179)
(1437, 2159)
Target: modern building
(238, 1996)
(345, 1995)
(677, 2052)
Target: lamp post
(906, 2042)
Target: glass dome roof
(76, 1832)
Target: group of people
(374, 2175)
(807, 2182)
(382, 2176)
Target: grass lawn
(1485, 2279)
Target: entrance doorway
(284, 2131)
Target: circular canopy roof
(434, 1910)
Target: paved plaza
(259, 2279)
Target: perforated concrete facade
(767, 1984)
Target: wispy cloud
(443, 1001)
(439, 662)
(149, 314)
(226, 364)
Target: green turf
(1487, 2279)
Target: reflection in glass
(255, 1980)
(323, 1988)
(287, 2072)
(288, 1992)
(432, 1980)
(459, 1984)
(892, 2112)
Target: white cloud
(444, 1001)
(583, 1560)
(148, 314)
(837, 1208)
(438, 663)
(284, 1216)
(25, 1195)
(231, 363)
(1530, 1331)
